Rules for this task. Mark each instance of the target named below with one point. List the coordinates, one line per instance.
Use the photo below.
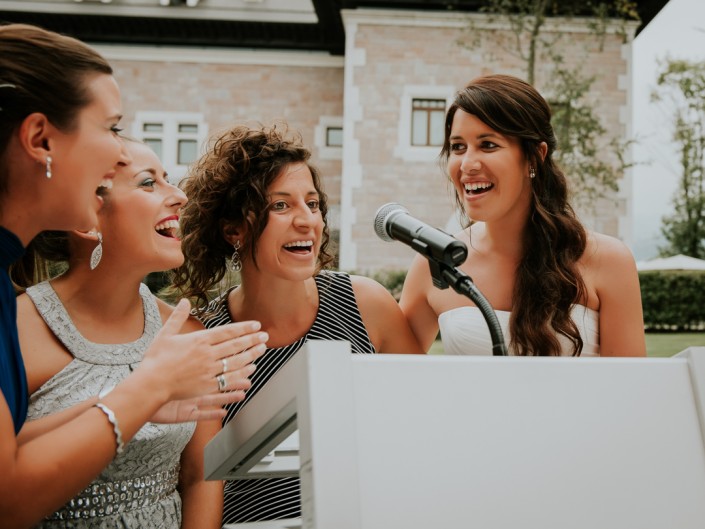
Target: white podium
(435, 442)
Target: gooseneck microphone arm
(462, 283)
(444, 253)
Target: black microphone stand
(445, 275)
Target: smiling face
(140, 218)
(489, 171)
(84, 156)
(290, 243)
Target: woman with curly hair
(256, 205)
(557, 288)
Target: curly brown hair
(548, 282)
(228, 186)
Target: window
(152, 136)
(334, 137)
(420, 131)
(328, 137)
(427, 117)
(174, 136)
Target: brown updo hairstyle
(41, 71)
(228, 186)
(548, 282)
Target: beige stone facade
(224, 88)
(391, 58)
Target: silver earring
(97, 252)
(48, 166)
(235, 264)
(532, 173)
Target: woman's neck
(286, 309)
(499, 238)
(104, 307)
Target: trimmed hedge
(392, 280)
(673, 300)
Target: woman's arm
(202, 501)
(35, 428)
(617, 286)
(383, 319)
(422, 319)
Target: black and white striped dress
(338, 318)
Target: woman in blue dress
(59, 114)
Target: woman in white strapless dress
(557, 288)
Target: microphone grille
(382, 216)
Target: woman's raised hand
(203, 362)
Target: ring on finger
(225, 365)
(222, 382)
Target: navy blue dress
(13, 380)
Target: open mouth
(106, 184)
(299, 247)
(478, 188)
(168, 228)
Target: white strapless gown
(464, 331)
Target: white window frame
(404, 149)
(325, 151)
(170, 136)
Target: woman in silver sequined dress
(85, 331)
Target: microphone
(393, 222)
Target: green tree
(683, 83)
(582, 139)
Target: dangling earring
(97, 252)
(532, 173)
(48, 167)
(235, 264)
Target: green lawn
(668, 344)
(657, 344)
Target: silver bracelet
(113, 420)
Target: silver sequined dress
(138, 488)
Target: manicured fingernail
(256, 326)
(263, 336)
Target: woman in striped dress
(256, 206)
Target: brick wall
(228, 94)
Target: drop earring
(48, 173)
(235, 264)
(532, 173)
(97, 252)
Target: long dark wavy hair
(229, 186)
(548, 282)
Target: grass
(660, 344)
(668, 344)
